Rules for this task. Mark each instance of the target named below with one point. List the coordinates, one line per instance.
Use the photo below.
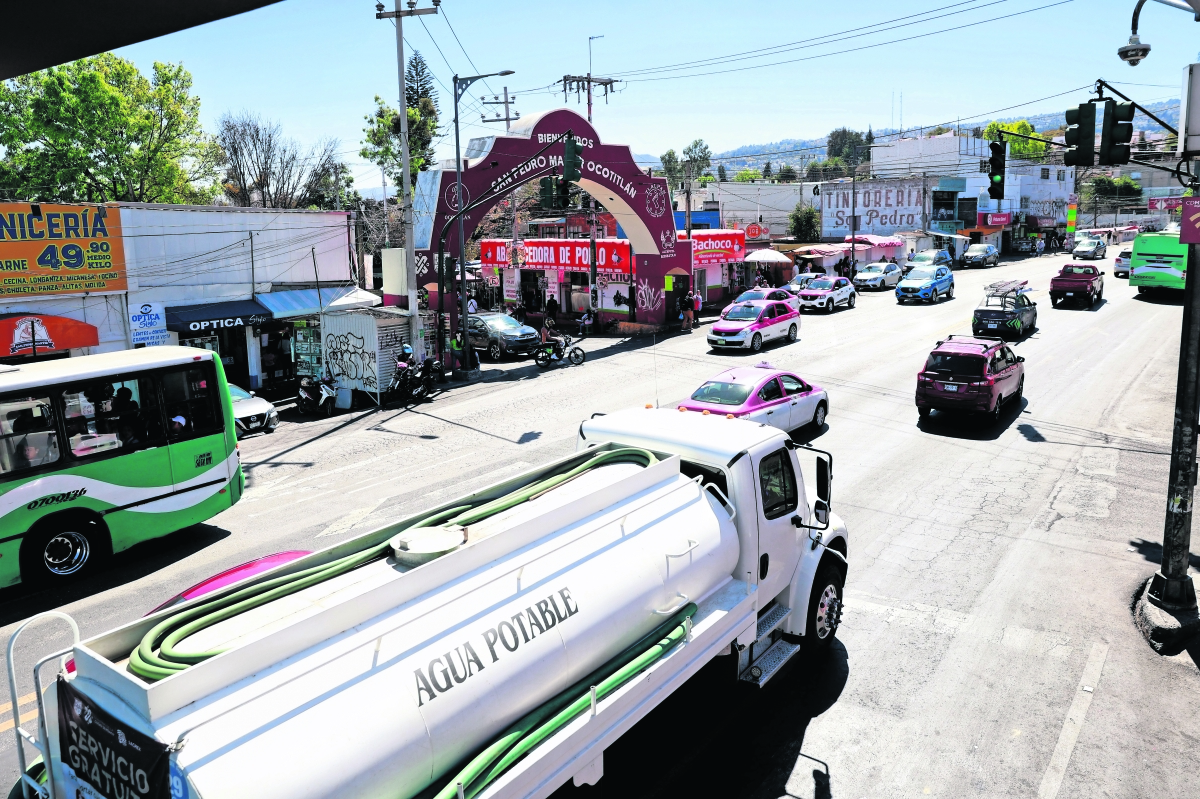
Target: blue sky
(315, 65)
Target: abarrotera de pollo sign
(103, 758)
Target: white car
(878, 276)
(827, 293)
(252, 414)
(763, 293)
(1121, 264)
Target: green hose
(538, 725)
(156, 657)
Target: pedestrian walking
(1041, 246)
(686, 310)
(552, 309)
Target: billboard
(49, 248)
(613, 256)
(714, 247)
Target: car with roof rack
(1005, 310)
(976, 374)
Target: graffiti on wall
(649, 298)
(346, 356)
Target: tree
(264, 169)
(787, 173)
(381, 138)
(746, 175)
(766, 172)
(671, 168)
(1017, 148)
(829, 169)
(706, 179)
(1104, 192)
(97, 130)
(804, 224)
(697, 156)
(721, 173)
(418, 83)
(841, 143)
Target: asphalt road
(987, 647)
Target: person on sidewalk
(552, 309)
(697, 303)
(686, 308)
(472, 306)
(1041, 246)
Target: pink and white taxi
(750, 324)
(762, 393)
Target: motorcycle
(317, 396)
(410, 382)
(559, 350)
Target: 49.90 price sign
(60, 249)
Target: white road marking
(1052, 780)
(347, 522)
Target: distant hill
(793, 151)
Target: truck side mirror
(823, 480)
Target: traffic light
(563, 191)
(996, 171)
(1081, 136)
(1115, 133)
(548, 193)
(572, 160)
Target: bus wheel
(63, 549)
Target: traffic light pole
(1171, 588)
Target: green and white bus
(101, 452)
(1159, 261)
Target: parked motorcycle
(317, 396)
(410, 382)
(545, 354)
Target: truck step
(772, 619)
(770, 663)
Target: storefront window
(306, 350)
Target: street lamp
(460, 88)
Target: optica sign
(713, 247)
(613, 256)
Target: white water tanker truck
(492, 646)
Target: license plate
(1070, 294)
(992, 325)
(255, 424)
(949, 387)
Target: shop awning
(304, 302)
(21, 332)
(213, 316)
(877, 241)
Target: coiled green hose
(156, 657)
(534, 728)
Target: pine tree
(418, 83)
(766, 172)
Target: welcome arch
(639, 202)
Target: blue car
(926, 284)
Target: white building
(761, 202)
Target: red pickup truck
(1079, 282)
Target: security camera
(1134, 52)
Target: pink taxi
(762, 394)
(749, 324)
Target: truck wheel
(824, 607)
(63, 549)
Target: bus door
(195, 425)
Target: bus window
(190, 402)
(27, 433)
(111, 415)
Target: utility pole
(580, 83)
(594, 293)
(410, 247)
(687, 193)
(924, 212)
(386, 243)
(508, 118)
(590, 40)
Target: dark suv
(970, 373)
(1006, 310)
(499, 334)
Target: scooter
(317, 396)
(408, 381)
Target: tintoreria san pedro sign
(640, 203)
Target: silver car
(878, 276)
(1089, 248)
(252, 414)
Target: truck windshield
(742, 313)
(722, 393)
(1079, 270)
(965, 365)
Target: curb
(1168, 633)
